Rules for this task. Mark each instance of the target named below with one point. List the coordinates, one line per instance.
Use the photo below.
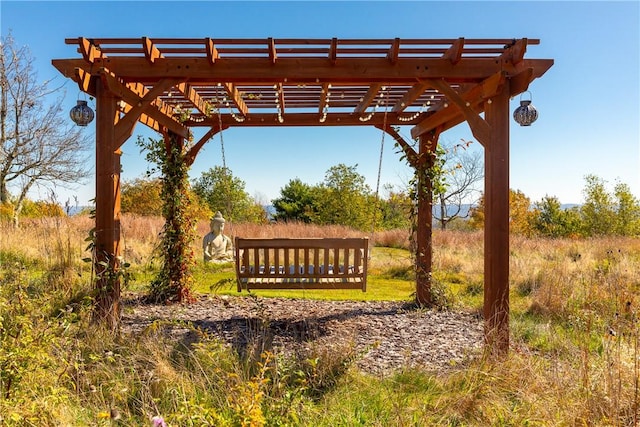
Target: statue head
(217, 222)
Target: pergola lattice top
(180, 83)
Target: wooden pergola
(173, 85)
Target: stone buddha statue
(216, 246)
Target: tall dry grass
(574, 325)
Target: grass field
(575, 356)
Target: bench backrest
(291, 260)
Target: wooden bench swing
(314, 263)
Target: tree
(460, 171)
(223, 192)
(395, 209)
(549, 219)
(344, 198)
(476, 213)
(520, 214)
(598, 210)
(142, 196)
(627, 211)
(38, 144)
(297, 202)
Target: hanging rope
(377, 198)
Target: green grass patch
(393, 280)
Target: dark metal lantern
(81, 114)
(526, 113)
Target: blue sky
(588, 101)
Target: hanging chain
(224, 162)
(377, 199)
(225, 177)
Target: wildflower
(158, 421)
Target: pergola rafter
(174, 84)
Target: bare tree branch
(463, 170)
(39, 146)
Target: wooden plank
(234, 94)
(190, 94)
(410, 96)
(323, 97)
(287, 272)
(276, 261)
(479, 127)
(126, 124)
(496, 233)
(273, 55)
(256, 261)
(365, 266)
(300, 243)
(368, 98)
(520, 82)
(394, 50)
(305, 119)
(346, 261)
(212, 52)
(316, 262)
(499, 42)
(301, 70)
(281, 97)
(86, 82)
(454, 53)
(333, 51)
(131, 94)
(107, 218)
(326, 260)
(88, 50)
(300, 286)
(151, 52)
(476, 95)
(306, 260)
(515, 53)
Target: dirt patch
(386, 336)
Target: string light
(237, 117)
(375, 107)
(325, 109)
(278, 92)
(416, 114)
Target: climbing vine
(174, 280)
(428, 176)
(428, 180)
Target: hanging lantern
(81, 114)
(526, 113)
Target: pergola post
(496, 229)
(424, 226)
(107, 231)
